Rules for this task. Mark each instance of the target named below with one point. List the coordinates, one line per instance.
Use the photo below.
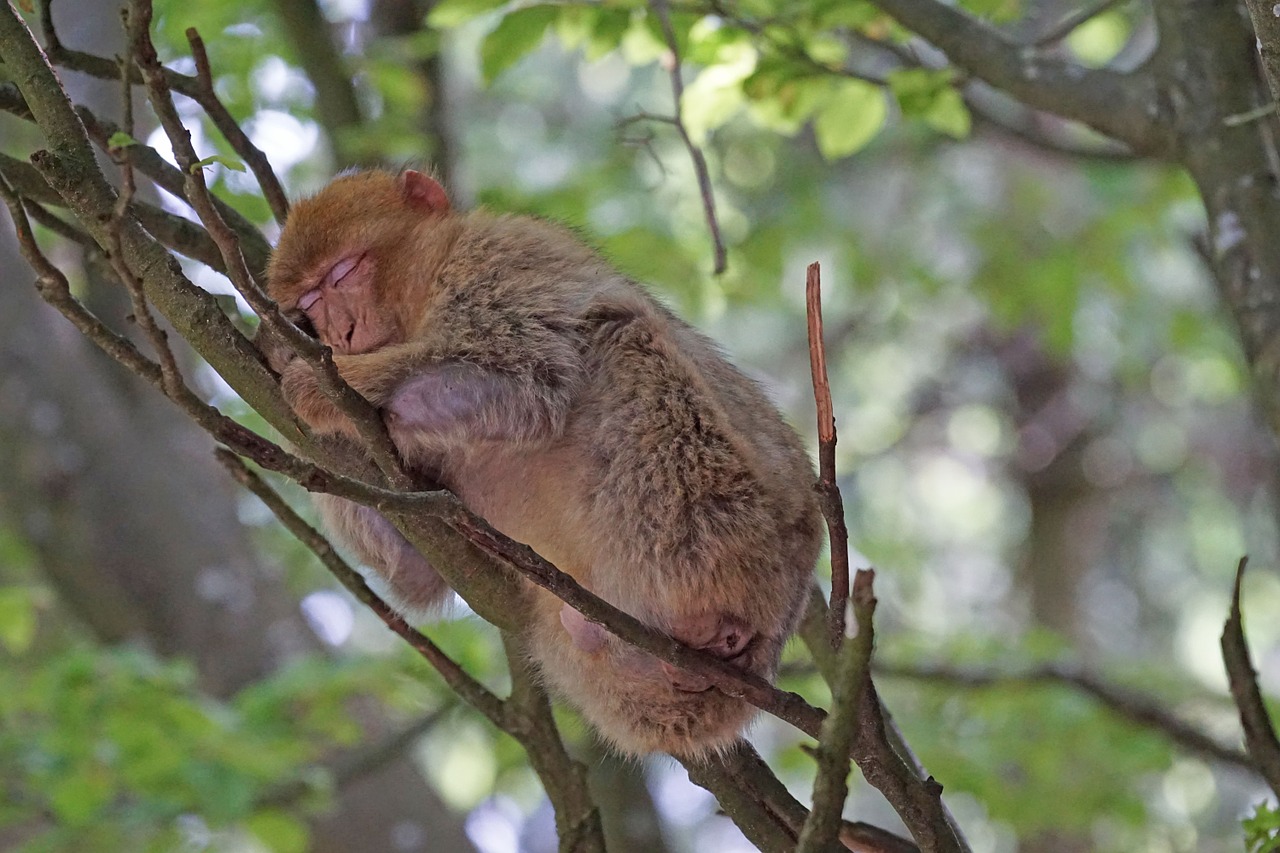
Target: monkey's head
(349, 257)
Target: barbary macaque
(563, 404)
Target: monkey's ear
(423, 192)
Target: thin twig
(829, 496)
(660, 10)
(1259, 734)
(56, 290)
(360, 411)
(170, 373)
(1124, 703)
(234, 134)
(169, 178)
(473, 692)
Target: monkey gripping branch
(582, 345)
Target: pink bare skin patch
(724, 637)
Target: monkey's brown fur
(564, 405)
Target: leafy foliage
(113, 750)
(1262, 829)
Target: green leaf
(949, 114)
(928, 94)
(851, 118)
(17, 618)
(1262, 829)
(517, 34)
(222, 160)
(450, 13)
(607, 32)
(120, 139)
(716, 95)
(281, 832)
(79, 798)
(1097, 41)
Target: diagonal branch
(1266, 24)
(1259, 734)
(361, 413)
(529, 719)
(1121, 106)
(660, 12)
(473, 692)
(1126, 704)
(233, 133)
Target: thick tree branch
(766, 830)
(1122, 106)
(529, 719)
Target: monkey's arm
(439, 397)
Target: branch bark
(1259, 733)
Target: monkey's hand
(302, 392)
(277, 352)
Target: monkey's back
(674, 489)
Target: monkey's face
(340, 259)
(343, 307)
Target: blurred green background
(1047, 446)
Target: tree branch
(70, 169)
(853, 680)
(233, 133)
(363, 415)
(1124, 703)
(529, 719)
(829, 497)
(659, 8)
(472, 692)
(1122, 106)
(1266, 25)
(1259, 734)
